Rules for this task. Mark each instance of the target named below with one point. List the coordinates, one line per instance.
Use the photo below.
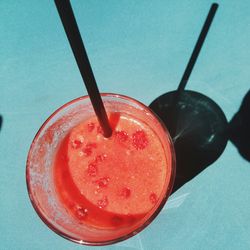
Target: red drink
(108, 188)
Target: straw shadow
(196, 123)
(198, 128)
(239, 128)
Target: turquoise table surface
(138, 48)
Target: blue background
(140, 49)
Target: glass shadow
(239, 128)
(198, 128)
(1, 121)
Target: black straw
(70, 26)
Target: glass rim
(134, 230)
